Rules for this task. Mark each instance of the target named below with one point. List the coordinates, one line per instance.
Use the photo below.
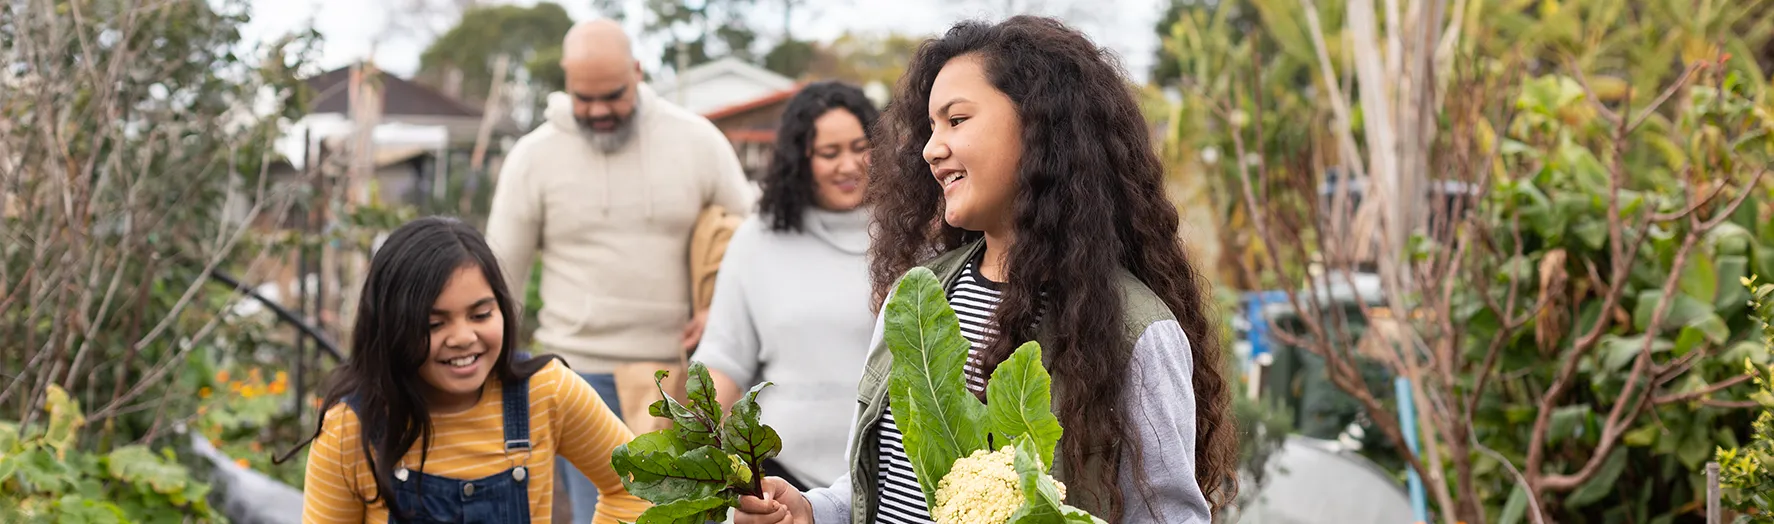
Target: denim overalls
(501, 498)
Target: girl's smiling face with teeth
(975, 147)
(467, 333)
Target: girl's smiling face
(467, 333)
(975, 147)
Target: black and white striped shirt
(902, 501)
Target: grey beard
(613, 141)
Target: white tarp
(335, 128)
(1311, 481)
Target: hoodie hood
(847, 231)
(560, 112)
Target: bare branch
(1715, 388)
(1582, 80)
(1521, 481)
(1731, 209)
(1620, 417)
(154, 376)
(1671, 91)
(197, 283)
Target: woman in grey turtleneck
(791, 304)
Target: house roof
(727, 66)
(332, 94)
(755, 103)
(719, 84)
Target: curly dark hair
(1090, 197)
(788, 182)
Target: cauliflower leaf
(1019, 400)
(941, 421)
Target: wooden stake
(488, 117)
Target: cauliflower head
(981, 489)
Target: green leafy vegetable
(698, 468)
(941, 421)
(1019, 400)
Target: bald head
(594, 41)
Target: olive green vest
(1088, 490)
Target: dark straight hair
(391, 339)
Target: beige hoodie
(612, 230)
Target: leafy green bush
(45, 476)
(1747, 473)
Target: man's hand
(782, 504)
(693, 331)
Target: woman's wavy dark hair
(788, 182)
(391, 339)
(1090, 197)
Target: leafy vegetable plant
(944, 424)
(696, 469)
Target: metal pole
(301, 294)
(1712, 494)
(1407, 417)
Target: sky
(351, 28)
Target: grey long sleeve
(1160, 403)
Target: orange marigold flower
(282, 376)
(222, 376)
(203, 392)
(277, 388)
(243, 463)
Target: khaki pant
(636, 390)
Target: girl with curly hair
(1016, 165)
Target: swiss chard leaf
(940, 419)
(654, 467)
(701, 391)
(747, 438)
(692, 426)
(685, 511)
(1019, 401)
(683, 469)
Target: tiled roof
(331, 94)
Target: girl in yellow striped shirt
(433, 420)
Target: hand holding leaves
(699, 467)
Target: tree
(530, 36)
(864, 58)
(1238, 18)
(702, 31)
(1559, 198)
(135, 147)
(791, 58)
(423, 19)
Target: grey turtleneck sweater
(793, 309)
